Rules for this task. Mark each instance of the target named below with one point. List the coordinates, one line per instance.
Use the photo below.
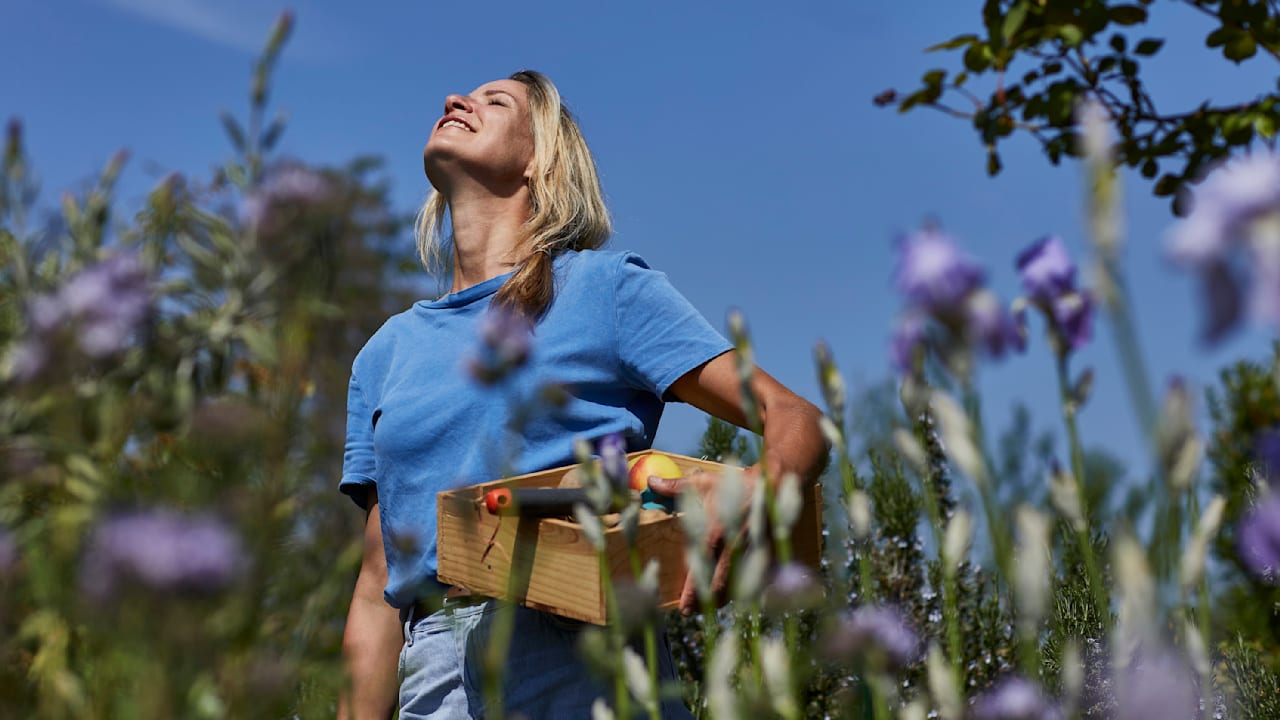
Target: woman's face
(485, 136)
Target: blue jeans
(442, 660)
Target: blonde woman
(526, 217)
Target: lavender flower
(612, 449)
(933, 273)
(162, 550)
(1160, 686)
(1015, 698)
(1230, 233)
(505, 339)
(101, 307)
(877, 634)
(794, 587)
(1258, 540)
(1049, 277)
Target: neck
(487, 240)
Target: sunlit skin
(483, 170)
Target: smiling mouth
(455, 123)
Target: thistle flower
(1049, 278)
(505, 339)
(1232, 237)
(98, 310)
(163, 550)
(879, 634)
(1015, 698)
(1258, 540)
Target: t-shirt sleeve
(660, 335)
(357, 459)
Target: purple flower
(162, 550)
(505, 340)
(285, 185)
(1258, 540)
(878, 634)
(1267, 453)
(989, 324)
(1015, 698)
(932, 273)
(1073, 316)
(795, 586)
(1230, 238)
(612, 449)
(100, 309)
(1160, 686)
(907, 339)
(1046, 269)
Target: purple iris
(1049, 277)
(99, 310)
(908, 337)
(990, 326)
(877, 632)
(1231, 239)
(933, 273)
(1258, 540)
(162, 550)
(1015, 698)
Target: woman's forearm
(371, 648)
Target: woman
(526, 217)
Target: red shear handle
(534, 502)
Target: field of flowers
(172, 401)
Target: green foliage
(722, 441)
(1253, 687)
(1094, 49)
(227, 400)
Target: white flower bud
(693, 517)
(590, 525)
(942, 685)
(1064, 493)
(860, 514)
(957, 436)
(749, 580)
(1192, 563)
(600, 710)
(776, 666)
(730, 496)
(1135, 622)
(787, 506)
(1196, 651)
(648, 581)
(699, 570)
(956, 541)
(910, 450)
(722, 698)
(832, 433)
(1031, 571)
(637, 674)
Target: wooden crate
(476, 550)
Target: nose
(456, 102)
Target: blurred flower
(794, 587)
(612, 449)
(163, 550)
(941, 284)
(1046, 269)
(100, 307)
(1015, 698)
(878, 633)
(1267, 455)
(1049, 277)
(1159, 686)
(1096, 138)
(1258, 540)
(505, 339)
(285, 186)
(8, 552)
(932, 273)
(1233, 231)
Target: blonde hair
(567, 209)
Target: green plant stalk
(997, 529)
(1201, 609)
(1124, 334)
(1100, 598)
(650, 640)
(950, 604)
(879, 703)
(622, 698)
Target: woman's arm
(793, 443)
(373, 637)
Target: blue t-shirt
(616, 336)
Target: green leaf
(1119, 43)
(234, 132)
(953, 43)
(993, 162)
(1071, 35)
(1148, 46)
(1240, 48)
(1013, 21)
(1167, 185)
(977, 58)
(1264, 125)
(934, 78)
(1219, 37)
(1127, 14)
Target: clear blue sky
(737, 143)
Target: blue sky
(737, 144)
